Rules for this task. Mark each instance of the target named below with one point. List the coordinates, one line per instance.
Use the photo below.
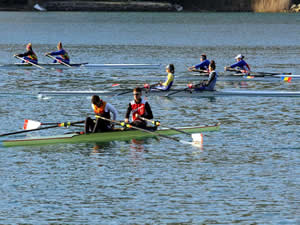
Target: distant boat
(39, 8)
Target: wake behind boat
(119, 135)
(82, 65)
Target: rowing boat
(120, 135)
(240, 76)
(83, 65)
(178, 93)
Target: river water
(246, 173)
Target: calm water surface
(246, 173)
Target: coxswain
(103, 109)
(139, 107)
(29, 55)
(241, 64)
(61, 54)
(209, 84)
(165, 86)
(201, 67)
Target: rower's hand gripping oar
(27, 61)
(58, 60)
(67, 124)
(197, 137)
(144, 130)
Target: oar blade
(31, 124)
(197, 138)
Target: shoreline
(127, 6)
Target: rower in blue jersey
(203, 66)
(165, 86)
(208, 85)
(241, 64)
(61, 54)
(29, 55)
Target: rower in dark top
(61, 54)
(210, 84)
(29, 55)
(139, 108)
(103, 109)
(201, 67)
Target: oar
(131, 90)
(58, 60)
(271, 73)
(125, 92)
(44, 128)
(197, 137)
(27, 61)
(175, 92)
(259, 73)
(144, 130)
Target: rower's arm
(148, 114)
(112, 109)
(60, 52)
(128, 111)
(27, 53)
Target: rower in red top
(139, 107)
(103, 109)
(29, 55)
(61, 54)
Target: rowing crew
(206, 85)
(138, 107)
(240, 66)
(61, 55)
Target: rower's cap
(239, 56)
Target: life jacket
(100, 111)
(65, 56)
(33, 56)
(137, 109)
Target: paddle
(44, 128)
(27, 61)
(258, 73)
(144, 130)
(197, 137)
(146, 86)
(58, 60)
(175, 92)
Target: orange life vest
(100, 111)
(137, 109)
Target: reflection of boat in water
(81, 65)
(120, 135)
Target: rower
(61, 54)
(165, 86)
(210, 84)
(201, 67)
(29, 55)
(241, 64)
(139, 107)
(103, 109)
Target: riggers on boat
(119, 135)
